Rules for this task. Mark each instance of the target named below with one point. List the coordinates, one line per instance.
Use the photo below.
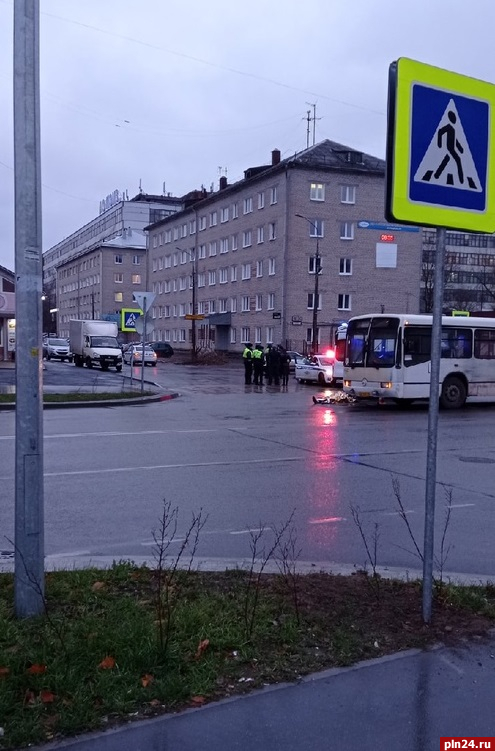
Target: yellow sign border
(123, 314)
(411, 72)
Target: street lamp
(317, 269)
(192, 258)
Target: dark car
(162, 349)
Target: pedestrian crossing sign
(440, 148)
(129, 318)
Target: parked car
(315, 369)
(56, 349)
(295, 357)
(133, 355)
(162, 349)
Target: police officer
(258, 364)
(247, 358)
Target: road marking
(397, 513)
(173, 466)
(113, 433)
(461, 505)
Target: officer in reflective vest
(258, 358)
(247, 358)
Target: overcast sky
(171, 92)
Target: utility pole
(29, 577)
(193, 258)
(317, 271)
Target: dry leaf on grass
(146, 680)
(108, 663)
(47, 697)
(202, 647)
(36, 669)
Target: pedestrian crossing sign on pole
(440, 148)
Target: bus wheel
(453, 393)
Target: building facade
(469, 272)
(253, 256)
(7, 314)
(99, 282)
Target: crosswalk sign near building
(129, 318)
(440, 148)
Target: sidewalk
(404, 702)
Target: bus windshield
(372, 342)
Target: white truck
(95, 343)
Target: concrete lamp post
(317, 271)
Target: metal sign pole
(29, 578)
(431, 456)
(145, 312)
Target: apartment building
(248, 254)
(469, 272)
(99, 282)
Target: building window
(271, 266)
(261, 200)
(259, 268)
(245, 304)
(202, 223)
(211, 306)
(168, 262)
(213, 219)
(118, 297)
(235, 210)
(176, 259)
(316, 228)
(233, 273)
(211, 278)
(212, 248)
(176, 233)
(344, 302)
(183, 231)
(317, 192)
(311, 299)
(224, 214)
(309, 335)
(248, 205)
(246, 271)
(261, 235)
(192, 227)
(136, 260)
(345, 266)
(312, 265)
(118, 278)
(182, 310)
(155, 241)
(233, 335)
(257, 334)
(347, 231)
(245, 335)
(269, 334)
(136, 278)
(201, 280)
(168, 236)
(259, 302)
(222, 305)
(272, 231)
(160, 263)
(183, 283)
(118, 258)
(224, 245)
(271, 301)
(223, 276)
(202, 251)
(347, 194)
(273, 195)
(246, 239)
(234, 242)
(233, 304)
(167, 286)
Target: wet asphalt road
(250, 457)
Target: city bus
(388, 357)
(339, 348)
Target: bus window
(357, 334)
(484, 344)
(383, 336)
(456, 343)
(417, 345)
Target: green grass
(79, 396)
(94, 614)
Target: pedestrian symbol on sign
(448, 160)
(131, 320)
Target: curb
(100, 403)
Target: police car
(315, 369)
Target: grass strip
(82, 396)
(95, 658)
